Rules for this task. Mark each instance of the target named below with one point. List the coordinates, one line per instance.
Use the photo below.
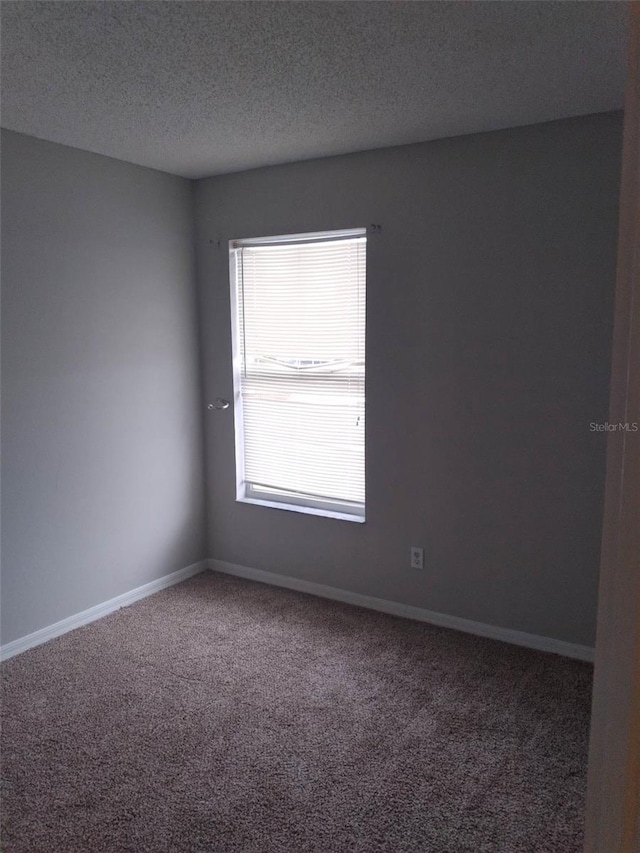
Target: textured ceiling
(201, 88)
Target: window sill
(306, 510)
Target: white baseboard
(493, 632)
(23, 643)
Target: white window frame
(245, 492)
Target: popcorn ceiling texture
(224, 716)
(199, 88)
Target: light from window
(298, 318)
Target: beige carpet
(224, 716)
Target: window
(298, 319)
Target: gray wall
(489, 326)
(102, 470)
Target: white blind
(300, 388)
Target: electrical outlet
(417, 557)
